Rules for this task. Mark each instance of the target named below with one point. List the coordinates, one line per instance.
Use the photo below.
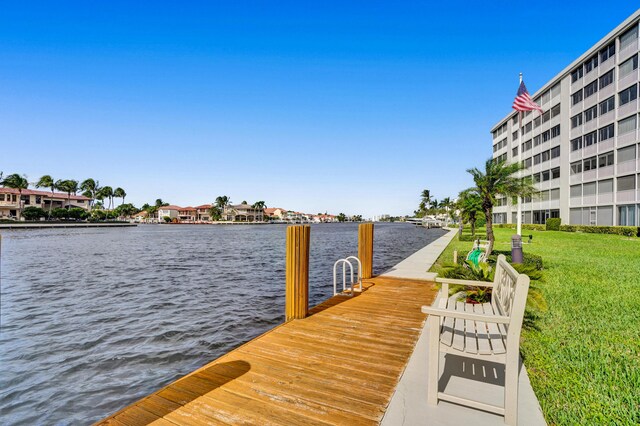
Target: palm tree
(91, 188)
(68, 186)
(15, 181)
(119, 193)
(222, 201)
(470, 205)
(260, 205)
(47, 181)
(498, 179)
(215, 213)
(107, 192)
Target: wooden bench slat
(458, 329)
(471, 345)
(484, 347)
(495, 335)
(446, 336)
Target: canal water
(93, 319)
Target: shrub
(553, 224)
(167, 219)
(527, 258)
(78, 213)
(628, 231)
(33, 213)
(534, 227)
(59, 213)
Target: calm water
(94, 319)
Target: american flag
(523, 101)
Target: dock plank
(340, 365)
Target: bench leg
(434, 360)
(511, 392)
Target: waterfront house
(202, 213)
(10, 204)
(168, 211)
(275, 212)
(187, 214)
(242, 213)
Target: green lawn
(584, 359)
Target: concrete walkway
(417, 265)
(465, 377)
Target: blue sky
(348, 107)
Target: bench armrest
(499, 319)
(464, 282)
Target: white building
(583, 152)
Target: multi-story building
(11, 201)
(242, 213)
(583, 151)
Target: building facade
(11, 201)
(583, 152)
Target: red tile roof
(42, 193)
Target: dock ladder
(348, 261)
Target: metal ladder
(347, 262)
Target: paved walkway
(460, 376)
(417, 265)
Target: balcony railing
(626, 196)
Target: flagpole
(519, 211)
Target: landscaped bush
(33, 213)
(628, 231)
(553, 224)
(59, 213)
(527, 258)
(534, 227)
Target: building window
(606, 79)
(608, 52)
(514, 152)
(576, 144)
(544, 195)
(537, 159)
(554, 194)
(536, 122)
(605, 186)
(606, 132)
(576, 97)
(627, 215)
(526, 146)
(590, 88)
(545, 156)
(555, 173)
(537, 140)
(591, 64)
(576, 74)
(590, 113)
(555, 131)
(627, 125)
(575, 191)
(555, 152)
(627, 183)
(546, 116)
(607, 105)
(605, 160)
(527, 163)
(589, 139)
(589, 189)
(628, 66)
(555, 111)
(629, 37)
(627, 95)
(590, 164)
(627, 154)
(536, 178)
(576, 121)
(545, 176)
(576, 167)
(546, 136)
(514, 120)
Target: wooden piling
(365, 248)
(297, 272)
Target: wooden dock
(338, 366)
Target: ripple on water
(94, 319)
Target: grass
(583, 358)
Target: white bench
(489, 331)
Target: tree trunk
(488, 212)
(50, 205)
(473, 226)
